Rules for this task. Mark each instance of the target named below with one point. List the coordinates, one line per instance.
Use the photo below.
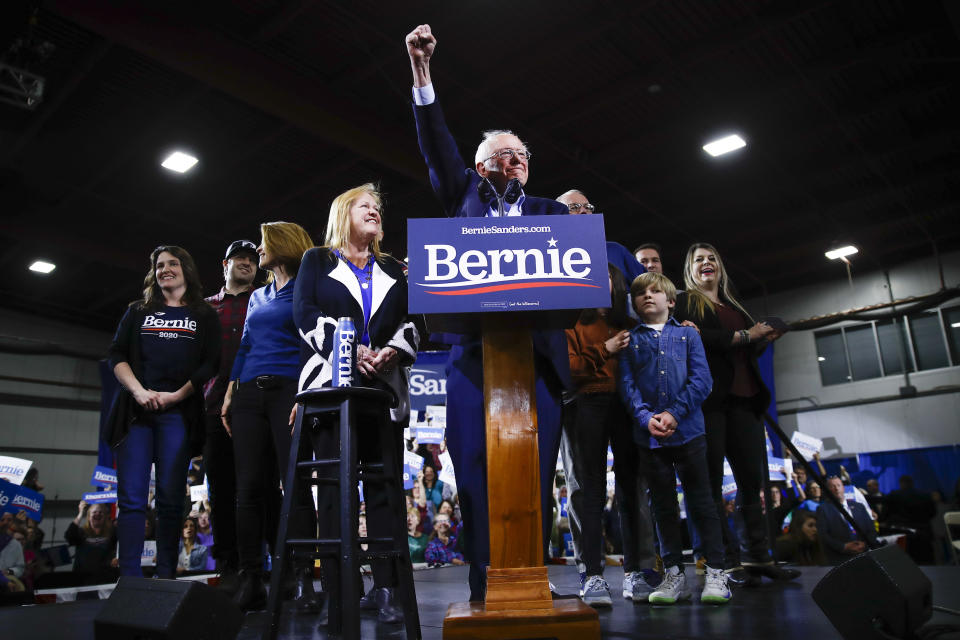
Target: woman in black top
(732, 412)
(95, 538)
(166, 347)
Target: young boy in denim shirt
(663, 380)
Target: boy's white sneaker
(672, 589)
(596, 592)
(716, 590)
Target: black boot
(229, 582)
(252, 595)
(772, 571)
(305, 598)
(387, 610)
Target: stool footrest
(310, 542)
(315, 464)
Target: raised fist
(420, 44)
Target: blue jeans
(161, 439)
(661, 467)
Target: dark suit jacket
(456, 186)
(834, 532)
(717, 342)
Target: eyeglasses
(507, 154)
(576, 206)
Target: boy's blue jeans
(159, 438)
(661, 467)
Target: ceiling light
(41, 266)
(179, 162)
(820, 358)
(956, 325)
(724, 145)
(841, 252)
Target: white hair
(570, 193)
(484, 151)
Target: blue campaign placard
(428, 380)
(525, 263)
(101, 497)
(14, 499)
(775, 466)
(429, 435)
(103, 477)
(729, 488)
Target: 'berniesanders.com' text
(475, 231)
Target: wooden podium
(518, 601)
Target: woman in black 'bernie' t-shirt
(166, 347)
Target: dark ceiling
(851, 111)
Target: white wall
(899, 424)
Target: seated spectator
(205, 537)
(12, 564)
(938, 529)
(19, 533)
(908, 507)
(446, 508)
(814, 497)
(40, 564)
(424, 506)
(874, 497)
(800, 545)
(35, 535)
(441, 547)
(839, 542)
(193, 555)
(32, 480)
(793, 491)
(782, 505)
(95, 537)
(415, 538)
(432, 485)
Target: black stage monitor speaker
(141, 608)
(880, 590)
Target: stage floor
(780, 611)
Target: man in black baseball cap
(240, 275)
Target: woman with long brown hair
(733, 410)
(166, 347)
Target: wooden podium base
(568, 619)
(518, 601)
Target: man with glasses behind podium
(493, 187)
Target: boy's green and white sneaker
(672, 589)
(636, 587)
(596, 592)
(715, 587)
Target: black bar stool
(348, 404)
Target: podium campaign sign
(527, 263)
